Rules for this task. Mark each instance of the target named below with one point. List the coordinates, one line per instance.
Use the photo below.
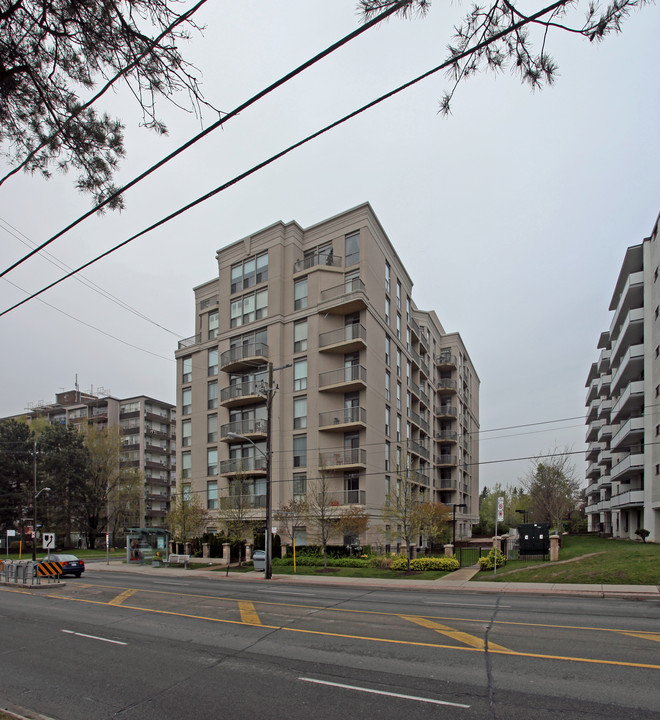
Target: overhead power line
(282, 153)
(221, 121)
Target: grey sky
(512, 215)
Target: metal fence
(23, 572)
(469, 555)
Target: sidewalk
(461, 580)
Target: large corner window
(352, 253)
(248, 308)
(250, 272)
(186, 369)
(214, 325)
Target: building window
(387, 310)
(212, 395)
(186, 369)
(300, 294)
(213, 362)
(212, 428)
(398, 294)
(398, 325)
(300, 374)
(186, 465)
(300, 451)
(388, 350)
(299, 486)
(214, 325)
(299, 413)
(212, 495)
(398, 362)
(387, 420)
(398, 428)
(388, 451)
(387, 490)
(388, 275)
(407, 308)
(186, 401)
(248, 308)
(249, 272)
(352, 253)
(186, 432)
(300, 336)
(398, 395)
(212, 461)
(387, 385)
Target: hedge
(317, 561)
(446, 564)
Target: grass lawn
(618, 562)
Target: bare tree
(187, 518)
(434, 521)
(552, 487)
(323, 507)
(291, 515)
(236, 511)
(353, 521)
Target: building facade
(623, 404)
(364, 381)
(148, 439)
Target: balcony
(593, 430)
(346, 298)
(630, 433)
(450, 436)
(418, 448)
(445, 484)
(416, 476)
(446, 411)
(244, 356)
(592, 390)
(189, 342)
(445, 361)
(593, 471)
(415, 329)
(341, 459)
(350, 338)
(344, 379)
(444, 460)
(344, 419)
(418, 420)
(238, 502)
(630, 402)
(631, 333)
(248, 465)
(628, 499)
(323, 259)
(632, 296)
(446, 385)
(242, 394)
(630, 368)
(629, 467)
(604, 407)
(251, 429)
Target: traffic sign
(500, 509)
(48, 541)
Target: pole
(34, 508)
(268, 569)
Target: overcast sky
(512, 215)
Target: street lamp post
(34, 501)
(524, 514)
(453, 522)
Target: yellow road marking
(470, 640)
(643, 635)
(512, 653)
(121, 597)
(248, 613)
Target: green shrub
(488, 562)
(317, 561)
(444, 564)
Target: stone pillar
(283, 550)
(449, 550)
(206, 550)
(413, 552)
(226, 553)
(497, 542)
(248, 553)
(554, 548)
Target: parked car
(71, 565)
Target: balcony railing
(445, 359)
(346, 288)
(243, 465)
(445, 459)
(348, 333)
(447, 436)
(189, 342)
(328, 259)
(238, 502)
(419, 449)
(343, 416)
(240, 390)
(342, 457)
(243, 352)
(446, 384)
(446, 411)
(347, 497)
(244, 427)
(355, 374)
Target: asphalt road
(142, 648)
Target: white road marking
(430, 602)
(94, 637)
(383, 692)
(287, 592)
(170, 582)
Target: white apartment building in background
(148, 439)
(365, 380)
(623, 404)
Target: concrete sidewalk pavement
(460, 580)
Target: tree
(514, 499)
(107, 483)
(237, 510)
(323, 509)
(15, 472)
(187, 518)
(291, 515)
(52, 50)
(352, 522)
(498, 36)
(434, 520)
(553, 488)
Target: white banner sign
(500, 509)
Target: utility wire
(277, 156)
(210, 129)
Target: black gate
(469, 556)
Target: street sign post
(499, 517)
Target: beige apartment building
(623, 404)
(148, 438)
(363, 381)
